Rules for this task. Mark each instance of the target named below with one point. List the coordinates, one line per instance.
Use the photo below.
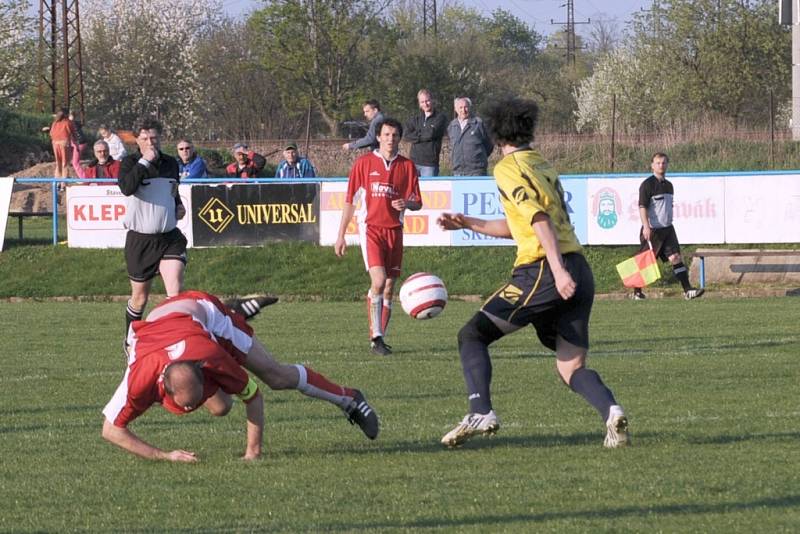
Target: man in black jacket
(425, 132)
(154, 244)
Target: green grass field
(710, 387)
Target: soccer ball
(423, 295)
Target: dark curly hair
(147, 123)
(511, 121)
(389, 121)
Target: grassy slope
(714, 429)
(34, 268)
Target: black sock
(473, 346)
(130, 316)
(682, 274)
(588, 384)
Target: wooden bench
(759, 267)
(22, 214)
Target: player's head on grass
(512, 121)
(183, 381)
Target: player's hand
(647, 232)
(340, 247)
(451, 221)
(180, 212)
(150, 154)
(346, 146)
(565, 285)
(182, 456)
(399, 204)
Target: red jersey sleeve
(356, 179)
(412, 185)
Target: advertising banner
(698, 210)
(253, 214)
(95, 214)
(6, 187)
(419, 227)
(762, 209)
(480, 198)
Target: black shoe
(249, 307)
(360, 413)
(638, 295)
(379, 347)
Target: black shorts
(664, 241)
(143, 252)
(531, 298)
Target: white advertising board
(419, 228)
(698, 210)
(6, 187)
(762, 209)
(95, 214)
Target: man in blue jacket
(190, 164)
(470, 144)
(294, 166)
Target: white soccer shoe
(473, 424)
(617, 425)
(693, 293)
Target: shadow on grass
(724, 440)
(493, 521)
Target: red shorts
(382, 247)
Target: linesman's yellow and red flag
(640, 270)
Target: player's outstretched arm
(255, 427)
(457, 221)
(125, 439)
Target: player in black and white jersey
(655, 211)
(154, 244)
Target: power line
(571, 47)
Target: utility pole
(789, 14)
(429, 17)
(59, 56)
(570, 30)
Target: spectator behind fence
(248, 163)
(190, 164)
(62, 134)
(294, 166)
(80, 141)
(469, 143)
(425, 130)
(372, 112)
(101, 166)
(116, 148)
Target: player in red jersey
(389, 185)
(192, 351)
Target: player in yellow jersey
(551, 286)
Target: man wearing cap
(248, 163)
(294, 166)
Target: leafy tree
(17, 47)
(322, 51)
(141, 59)
(694, 58)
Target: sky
(537, 13)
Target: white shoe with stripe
(473, 424)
